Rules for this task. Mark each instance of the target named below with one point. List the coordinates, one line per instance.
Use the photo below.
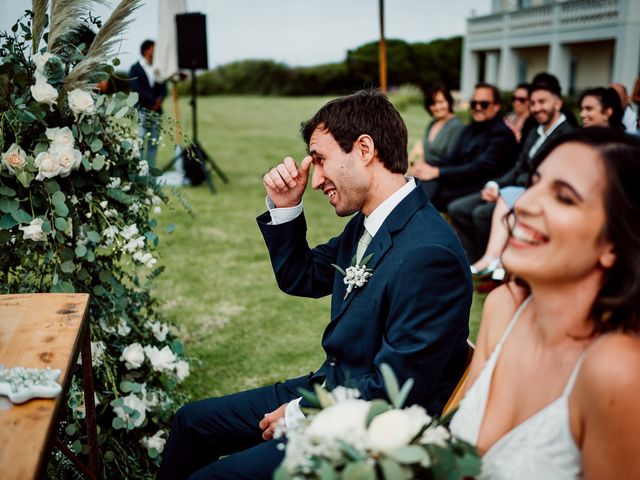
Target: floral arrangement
(75, 216)
(356, 275)
(346, 437)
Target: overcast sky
(295, 32)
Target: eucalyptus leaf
(76, 446)
(325, 399)
(408, 455)
(95, 145)
(90, 256)
(377, 407)
(469, 465)
(132, 99)
(117, 423)
(81, 251)
(86, 128)
(52, 187)
(93, 236)
(171, 228)
(327, 472)
(21, 216)
(310, 397)
(7, 221)
(58, 197)
(98, 162)
(404, 392)
(67, 254)
(71, 429)
(61, 209)
(359, 471)
(40, 147)
(25, 178)
(67, 267)
(100, 290)
(61, 224)
(9, 205)
(7, 191)
(390, 383)
(122, 112)
(393, 470)
(281, 474)
(63, 287)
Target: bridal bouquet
(75, 216)
(350, 438)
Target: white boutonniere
(356, 275)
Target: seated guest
(486, 150)
(519, 120)
(600, 107)
(629, 116)
(476, 217)
(553, 387)
(442, 133)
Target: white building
(585, 43)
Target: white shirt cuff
(292, 414)
(282, 215)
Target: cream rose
(14, 158)
(161, 360)
(40, 59)
(81, 101)
(33, 231)
(133, 402)
(182, 370)
(133, 356)
(390, 430)
(48, 166)
(156, 442)
(344, 420)
(42, 92)
(69, 159)
(60, 137)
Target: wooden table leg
(91, 416)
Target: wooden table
(36, 331)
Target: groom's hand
(270, 421)
(285, 183)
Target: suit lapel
(383, 239)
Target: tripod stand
(196, 160)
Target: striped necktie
(363, 243)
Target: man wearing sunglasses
(487, 149)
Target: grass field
(218, 286)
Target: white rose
(391, 430)
(161, 360)
(14, 158)
(158, 329)
(33, 231)
(156, 442)
(143, 168)
(81, 101)
(60, 138)
(40, 59)
(344, 420)
(436, 435)
(182, 370)
(48, 166)
(42, 92)
(132, 356)
(68, 159)
(132, 401)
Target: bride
(554, 386)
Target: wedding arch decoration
(76, 206)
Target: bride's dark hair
(617, 305)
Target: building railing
(576, 13)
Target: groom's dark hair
(365, 112)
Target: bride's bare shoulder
(613, 363)
(499, 308)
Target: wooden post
(382, 51)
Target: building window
(524, 4)
(573, 74)
(522, 70)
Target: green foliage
(64, 230)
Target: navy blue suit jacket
(412, 314)
(147, 95)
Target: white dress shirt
(293, 414)
(148, 69)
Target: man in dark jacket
(486, 150)
(150, 96)
(471, 215)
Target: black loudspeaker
(192, 41)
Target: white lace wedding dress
(541, 447)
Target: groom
(412, 313)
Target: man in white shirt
(629, 116)
(411, 314)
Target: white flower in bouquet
(437, 435)
(133, 402)
(14, 159)
(33, 231)
(395, 428)
(60, 137)
(182, 370)
(341, 394)
(155, 442)
(123, 328)
(68, 159)
(114, 182)
(158, 329)
(151, 399)
(161, 360)
(344, 420)
(134, 244)
(97, 353)
(129, 232)
(48, 165)
(132, 356)
(109, 235)
(81, 102)
(43, 92)
(143, 168)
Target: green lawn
(218, 286)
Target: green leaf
(118, 423)
(5, 237)
(98, 162)
(310, 397)
(63, 287)
(67, 254)
(171, 228)
(9, 192)
(105, 276)
(60, 223)
(122, 112)
(46, 225)
(359, 471)
(377, 407)
(76, 446)
(7, 221)
(366, 259)
(67, 267)
(25, 178)
(408, 455)
(52, 187)
(109, 456)
(100, 290)
(40, 147)
(325, 399)
(58, 197)
(61, 209)
(21, 216)
(132, 99)
(390, 383)
(86, 128)
(281, 474)
(9, 205)
(392, 470)
(469, 465)
(95, 145)
(71, 429)
(404, 392)
(350, 452)
(127, 387)
(177, 347)
(153, 453)
(339, 269)
(117, 402)
(93, 236)
(81, 251)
